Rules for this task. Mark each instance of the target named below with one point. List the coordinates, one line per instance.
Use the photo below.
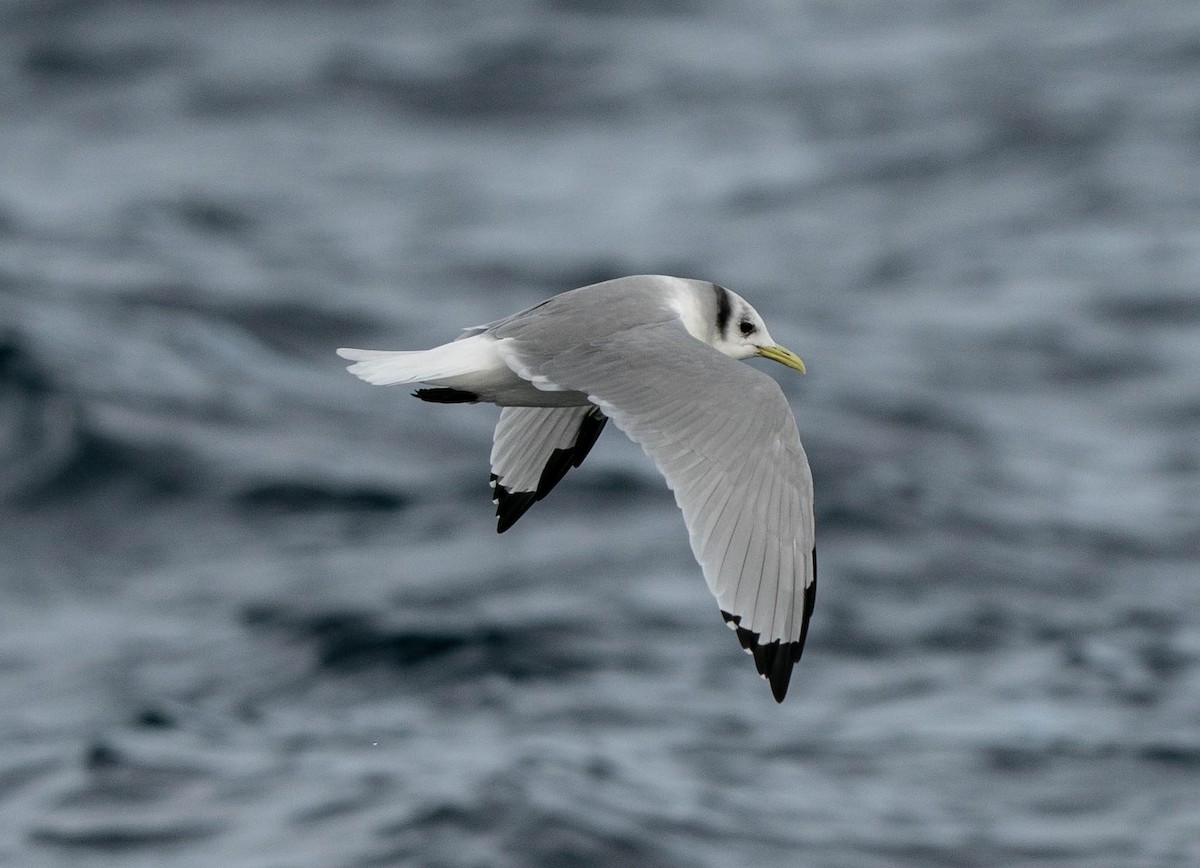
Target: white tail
(461, 358)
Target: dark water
(254, 613)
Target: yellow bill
(782, 355)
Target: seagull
(656, 355)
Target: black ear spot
(746, 327)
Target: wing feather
(723, 436)
(532, 450)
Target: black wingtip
(775, 660)
(510, 505)
(589, 432)
(556, 468)
(562, 460)
(779, 665)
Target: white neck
(696, 316)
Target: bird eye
(747, 327)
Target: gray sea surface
(254, 612)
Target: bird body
(656, 355)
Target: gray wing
(723, 435)
(533, 449)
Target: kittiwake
(656, 355)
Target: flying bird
(656, 355)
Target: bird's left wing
(723, 435)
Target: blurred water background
(253, 612)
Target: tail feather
(384, 368)
(449, 361)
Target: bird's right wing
(533, 449)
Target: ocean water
(255, 613)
